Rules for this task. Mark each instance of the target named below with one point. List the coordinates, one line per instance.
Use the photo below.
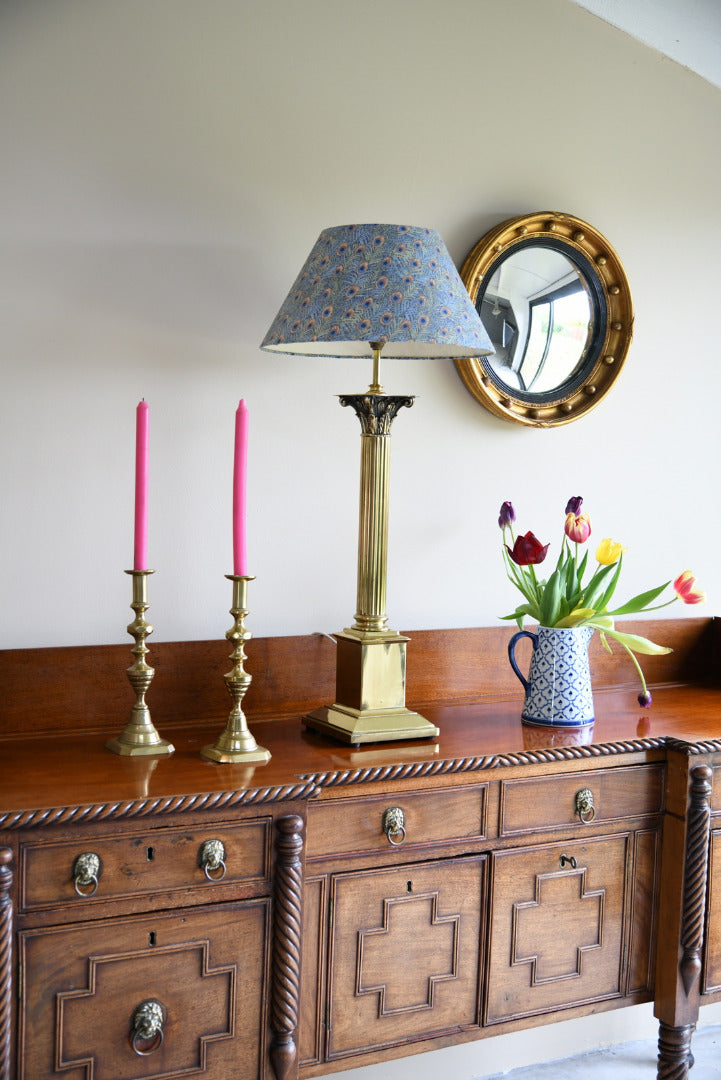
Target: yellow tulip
(609, 551)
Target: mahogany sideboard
(362, 903)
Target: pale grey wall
(165, 168)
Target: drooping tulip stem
(657, 607)
(644, 688)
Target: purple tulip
(573, 506)
(645, 699)
(507, 515)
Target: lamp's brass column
(371, 660)
(376, 413)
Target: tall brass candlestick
(236, 744)
(140, 736)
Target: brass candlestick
(236, 744)
(139, 736)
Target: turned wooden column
(682, 912)
(6, 940)
(285, 976)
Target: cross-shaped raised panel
(85, 1038)
(562, 901)
(556, 929)
(405, 953)
(81, 985)
(435, 953)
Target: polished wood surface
(78, 770)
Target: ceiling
(687, 31)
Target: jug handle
(512, 652)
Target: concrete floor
(630, 1061)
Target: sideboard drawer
(134, 864)
(552, 802)
(556, 926)
(204, 971)
(356, 826)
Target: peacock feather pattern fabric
(395, 284)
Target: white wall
(165, 168)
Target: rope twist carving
(139, 808)
(695, 875)
(285, 996)
(6, 936)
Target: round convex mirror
(555, 302)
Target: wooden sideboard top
(60, 705)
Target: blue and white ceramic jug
(558, 688)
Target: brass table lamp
(367, 289)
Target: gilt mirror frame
(609, 330)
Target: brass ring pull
(87, 869)
(570, 859)
(212, 859)
(147, 1026)
(584, 805)
(394, 824)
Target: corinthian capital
(376, 412)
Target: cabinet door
(556, 926)
(405, 954)
(81, 986)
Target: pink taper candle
(240, 462)
(140, 561)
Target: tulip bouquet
(575, 594)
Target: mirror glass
(544, 288)
(537, 311)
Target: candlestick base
(236, 744)
(139, 738)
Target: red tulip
(687, 589)
(527, 550)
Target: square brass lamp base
(370, 692)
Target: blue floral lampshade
(394, 284)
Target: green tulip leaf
(551, 599)
(595, 587)
(638, 603)
(606, 598)
(636, 643)
(577, 616)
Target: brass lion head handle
(211, 858)
(87, 869)
(394, 825)
(147, 1027)
(584, 805)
